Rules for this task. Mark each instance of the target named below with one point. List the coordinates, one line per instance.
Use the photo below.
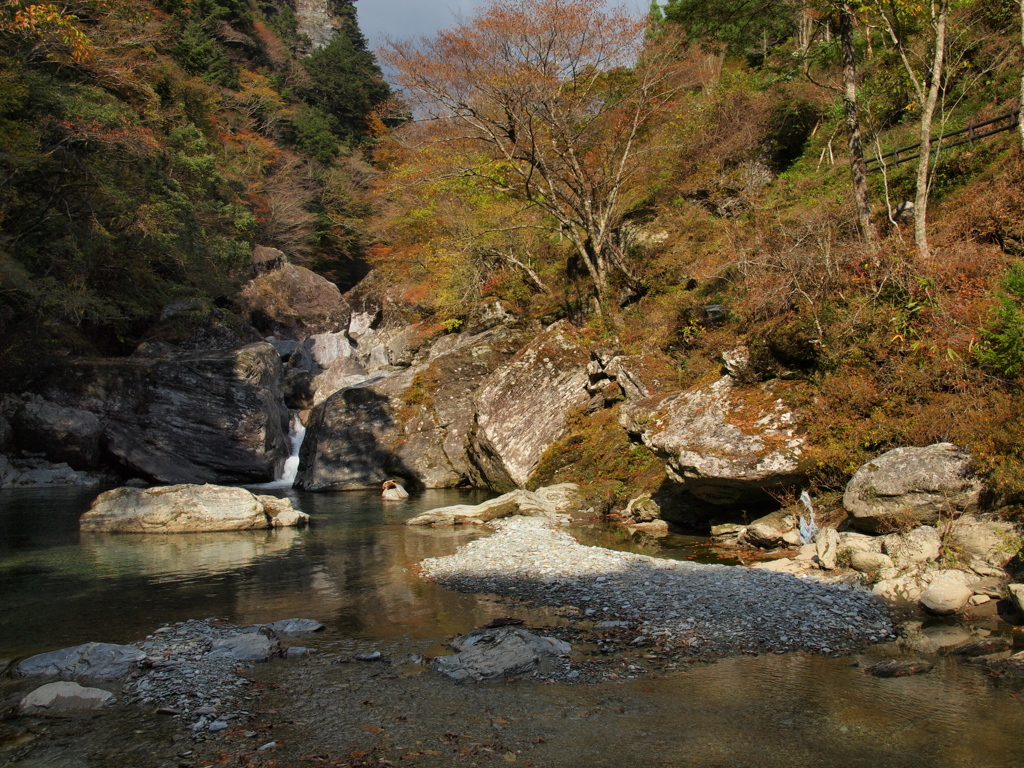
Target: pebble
(702, 609)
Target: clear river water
(353, 571)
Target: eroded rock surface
(523, 406)
(725, 444)
(210, 416)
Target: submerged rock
(912, 485)
(103, 661)
(497, 653)
(64, 698)
(900, 667)
(295, 627)
(544, 502)
(248, 646)
(187, 509)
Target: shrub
(1002, 349)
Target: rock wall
(411, 422)
(214, 416)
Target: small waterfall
(296, 434)
(290, 469)
(807, 528)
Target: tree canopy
(551, 101)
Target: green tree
(345, 83)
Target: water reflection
(188, 557)
(351, 570)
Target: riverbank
(692, 609)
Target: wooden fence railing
(971, 133)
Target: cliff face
(322, 20)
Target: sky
(400, 19)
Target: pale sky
(410, 18)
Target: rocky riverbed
(700, 610)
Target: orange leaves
(47, 26)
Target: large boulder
(778, 529)
(523, 407)
(350, 437)
(213, 416)
(947, 593)
(725, 444)
(294, 301)
(187, 509)
(1016, 592)
(912, 486)
(921, 545)
(69, 435)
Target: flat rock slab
(64, 698)
(499, 653)
(295, 627)
(249, 646)
(546, 502)
(984, 647)
(102, 661)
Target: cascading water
(290, 469)
(296, 434)
(808, 528)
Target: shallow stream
(352, 570)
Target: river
(352, 570)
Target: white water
(296, 434)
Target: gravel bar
(710, 610)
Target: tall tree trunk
(927, 114)
(858, 166)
